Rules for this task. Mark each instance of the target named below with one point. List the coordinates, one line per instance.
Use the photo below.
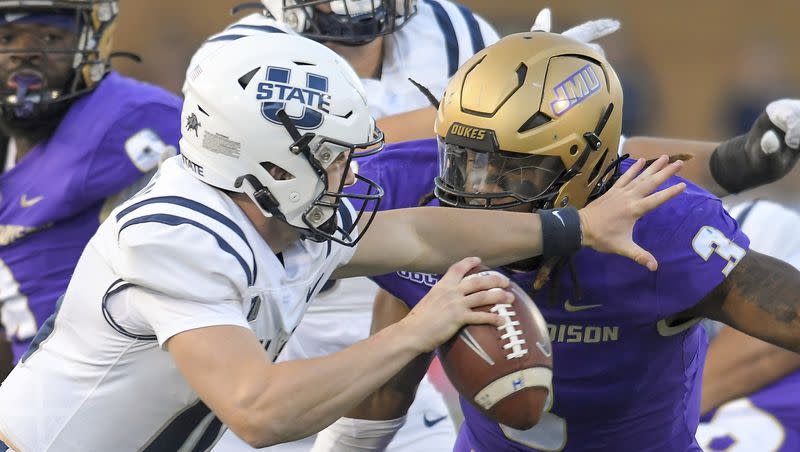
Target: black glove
(765, 154)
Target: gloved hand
(765, 154)
(586, 32)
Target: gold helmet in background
(534, 119)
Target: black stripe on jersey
(474, 27)
(449, 32)
(745, 213)
(3, 447)
(227, 38)
(265, 28)
(200, 208)
(173, 220)
(174, 435)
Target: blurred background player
(628, 345)
(386, 42)
(749, 400)
(75, 134)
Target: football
(504, 372)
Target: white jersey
(178, 256)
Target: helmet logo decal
(575, 89)
(277, 91)
(192, 123)
(474, 133)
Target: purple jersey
(52, 199)
(626, 372)
(765, 420)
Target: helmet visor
(494, 180)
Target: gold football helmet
(534, 119)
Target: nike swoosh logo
(432, 422)
(557, 214)
(25, 202)
(572, 308)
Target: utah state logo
(277, 91)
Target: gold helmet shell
(536, 96)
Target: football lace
(516, 342)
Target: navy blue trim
(173, 220)
(200, 208)
(3, 447)
(347, 219)
(44, 332)
(226, 38)
(174, 435)
(745, 213)
(267, 28)
(474, 27)
(449, 32)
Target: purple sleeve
(704, 248)
(130, 149)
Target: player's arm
(765, 154)
(411, 125)
(372, 424)
(738, 365)
(265, 403)
(760, 297)
(428, 239)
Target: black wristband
(561, 232)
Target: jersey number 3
(710, 240)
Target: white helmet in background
(284, 104)
(353, 22)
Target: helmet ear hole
(276, 171)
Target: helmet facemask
(30, 96)
(320, 218)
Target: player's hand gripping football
(587, 32)
(448, 305)
(607, 223)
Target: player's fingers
(640, 256)
(648, 184)
(656, 166)
(543, 21)
(482, 318)
(629, 175)
(488, 297)
(660, 197)
(785, 114)
(482, 281)
(456, 272)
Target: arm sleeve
(165, 316)
(705, 247)
(182, 258)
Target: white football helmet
(281, 103)
(353, 22)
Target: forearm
(696, 170)
(393, 399)
(412, 125)
(444, 236)
(738, 365)
(760, 297)
(324, 389)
